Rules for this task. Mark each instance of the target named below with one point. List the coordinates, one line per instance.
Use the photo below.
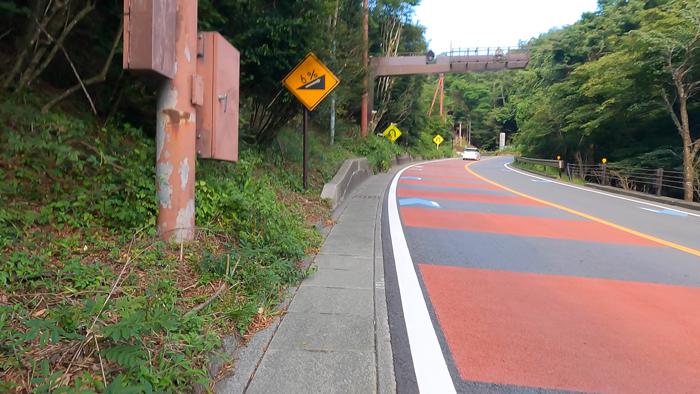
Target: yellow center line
(652, 238)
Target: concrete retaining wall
(351, 173)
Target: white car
(471, 154)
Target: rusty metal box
(218, 63)
(149, 36)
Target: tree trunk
(32, 35)
(40, 62)
(688, 152)
(682, 123)
(688, 175)
(98, 78)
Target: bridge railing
(477, 51)
(484, 51)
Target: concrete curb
(404, 159)
(349, 176)
(247, 357)
(649, 197)
(386, 377)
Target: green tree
(668, 48)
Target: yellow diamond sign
(438, 140)
(310, 81)
(392, 133)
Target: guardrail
(557, 164)
(646, 180)
(658, 181)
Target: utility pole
(460, 131)
(332, 118)
(365, 63)
(469, 132)
(335, 24)
(176, 134)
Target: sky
(492, 23)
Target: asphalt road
(500, 281)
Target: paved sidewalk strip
(334, 336)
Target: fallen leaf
(39, 313)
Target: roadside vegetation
(90, 299)
(88, 294)
(622, 83)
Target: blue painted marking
(413, 178)
(666, 211)
(418, 201)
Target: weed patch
(90, 300)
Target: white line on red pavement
(429, 363)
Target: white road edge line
(429, 363)
(507, 165)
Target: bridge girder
(417, 65)
(450, 64)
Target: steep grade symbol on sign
(316, 84)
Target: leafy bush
(426, 148)
(105, 180)
(248, 207)
(378, 150)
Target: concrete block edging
(350, 175)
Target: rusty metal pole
(175, 134)
(365, 63)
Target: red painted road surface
(528, 226)
(512, 328)
(484, 198)
(460, 185)
(568, 333)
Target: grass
(92, 301)
(540, 169)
